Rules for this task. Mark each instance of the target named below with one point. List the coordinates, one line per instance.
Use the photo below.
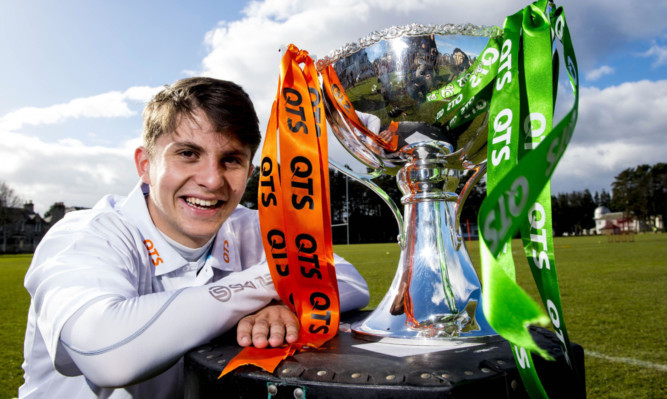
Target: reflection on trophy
(393, 100)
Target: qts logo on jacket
(225, 251)
(153, 253)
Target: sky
(75, 76)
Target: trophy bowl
(395, 101)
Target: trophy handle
(480, 170)
(365, 179)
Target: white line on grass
(626, 360)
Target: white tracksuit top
(115, 305)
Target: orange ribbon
(343, 104)
(296, 190)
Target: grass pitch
(14, 303)
(613, 303)
(612, 296)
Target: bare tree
(8, 197)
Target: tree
(657, 188)
(562, 215)
(640, 191)
(370, 218)
(621, 190)
(475, 198)
(585, 212)
(51, 209)
(573, 212)
(8, 199)
(604, 199)
(639, 198)
(249, 199)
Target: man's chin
(202, 234)
(201, 229)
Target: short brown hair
(227, 107)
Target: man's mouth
(202, 203)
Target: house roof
(16, 215)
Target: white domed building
(607, 222)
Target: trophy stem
(435, 294)
(444, 271)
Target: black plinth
(343, 370)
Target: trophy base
(418, 337)
(349, 367)
(382, 324)
(444, 342)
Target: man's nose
(211, 175)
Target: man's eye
(187, 154)
(231, 161)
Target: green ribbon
(466, 94)
(519, 171)
(520, 69)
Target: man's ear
(142, 162)
(250, 169)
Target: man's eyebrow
(235, 152)
(198, 148)
(189, 145)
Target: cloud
(660, 54)
(630, 112)
(599, 72)
(246, 51)
(114, 104)
(67, 171)
(599, 29)
(141, 94)
(618, 127)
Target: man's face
(196, 178)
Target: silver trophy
(394, 101)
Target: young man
(120, 292)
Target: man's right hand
(273, 325)
(386, 135)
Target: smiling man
(197, 177)
(120, 292)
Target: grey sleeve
(352, 288)
(116, 341)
